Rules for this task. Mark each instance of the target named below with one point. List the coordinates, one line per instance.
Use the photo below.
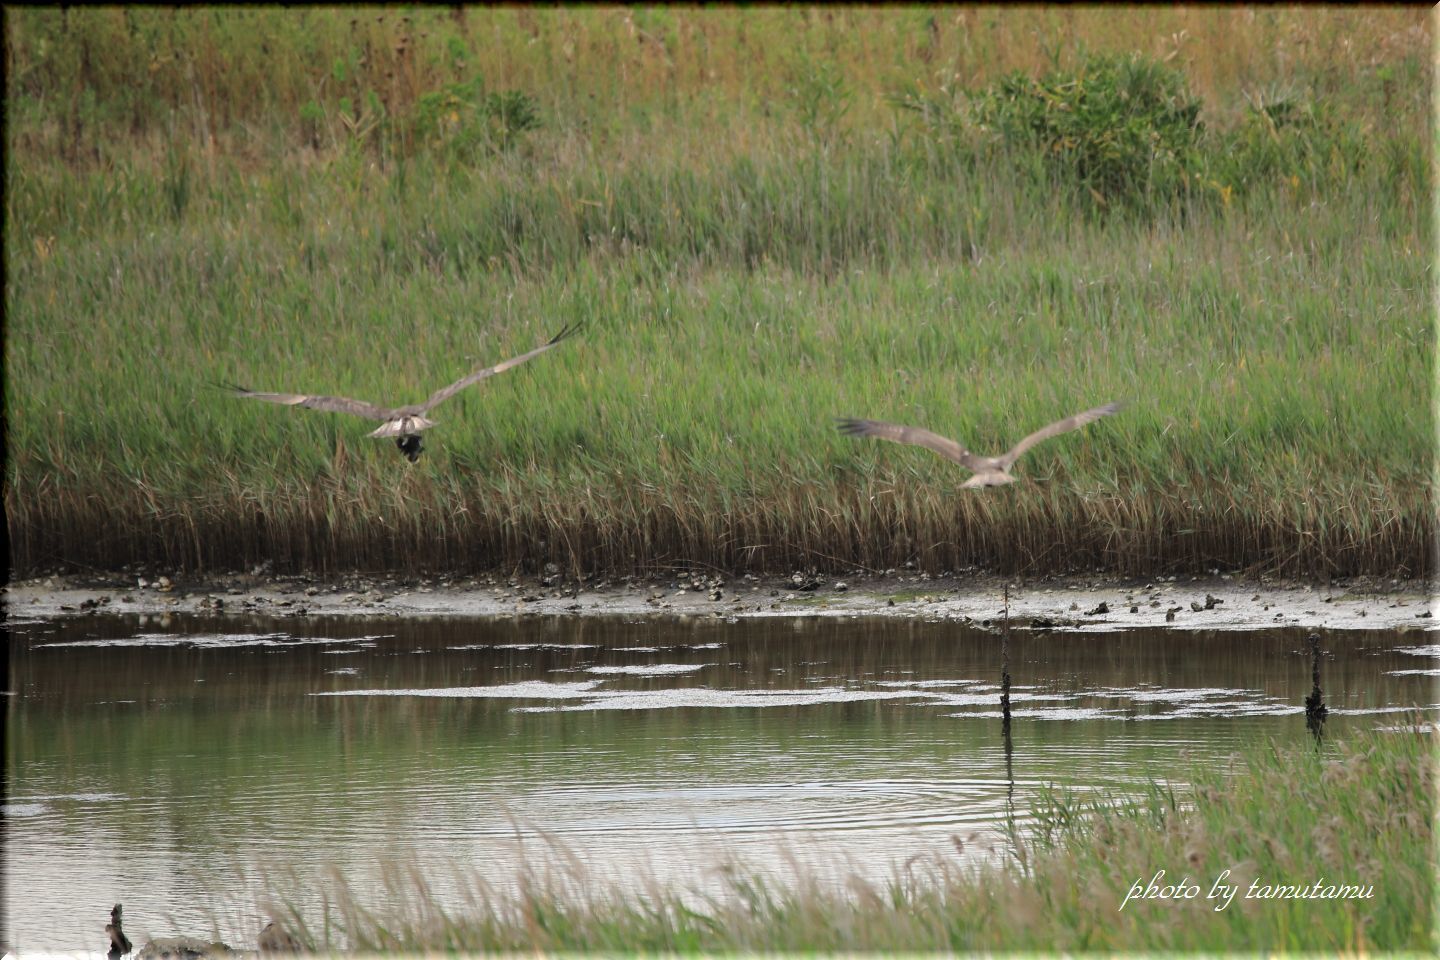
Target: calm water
(167, 765)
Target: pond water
(182, 766)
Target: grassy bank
(780, 233)
(1359, 813)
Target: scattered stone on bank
(804, 580)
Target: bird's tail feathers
(402, 427)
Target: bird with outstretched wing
(989, 471)
(402, 423)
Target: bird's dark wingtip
(569, 329)
(849, 425)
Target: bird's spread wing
(445, 393)
(1055, 429)
(924, 438)
(335, 404)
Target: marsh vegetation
(973, 221)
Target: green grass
(745, 274)
(1359, 812)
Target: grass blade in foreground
(1359, 812)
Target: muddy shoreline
(1084, 603)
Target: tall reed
(1268, 326)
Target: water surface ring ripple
(586, 810)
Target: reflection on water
(157, 765)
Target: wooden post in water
(119, 943)
(1315, 711)
(1005, 698)
(1005, 664)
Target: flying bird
(402, 423)
(989, 471)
